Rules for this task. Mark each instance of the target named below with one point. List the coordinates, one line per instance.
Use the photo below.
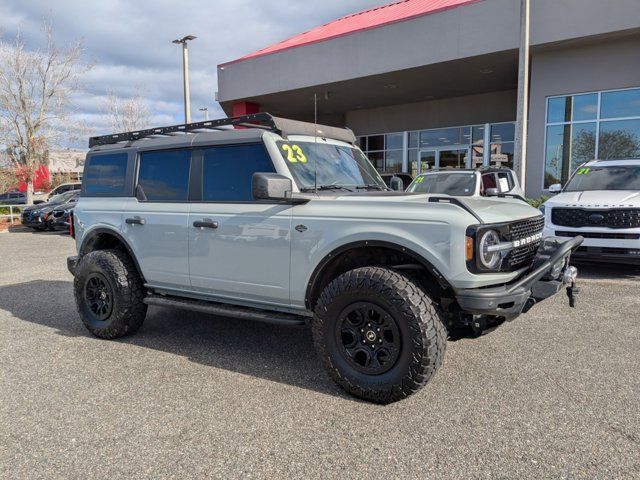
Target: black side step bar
(214, 308)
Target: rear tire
(109, 294)
(379, 335)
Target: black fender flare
(93, 234)
(316, 276)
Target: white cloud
(130, 43)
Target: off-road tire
(420, 324)
(127, 311)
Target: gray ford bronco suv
(263, 218)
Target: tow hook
(569, 278)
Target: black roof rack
(261, 120)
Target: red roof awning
(376, 17)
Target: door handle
(205, 224)
(135, 221)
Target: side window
(105, 174)
(227, 171)
(163, 176)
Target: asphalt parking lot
(554, 394)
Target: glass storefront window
(502, 132)
(377, 159)
(393, 161)
(394, 141)
(375, 142)
(577, 132)
(449, 146)
(568, 146)
(501, 155)
(620, 104)
(585, 107)
(619, 139)
(572, 108)
(439, 137)
(477, 136)
(414, 137)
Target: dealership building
(433, 83)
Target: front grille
(526, 228)
(591, 217)
(523, 254)
(607, 235)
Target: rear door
(239, 248)
(156, 219)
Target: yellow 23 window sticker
(294, 153)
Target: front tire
(379, 335)
(109, 294)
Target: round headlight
(489, 259)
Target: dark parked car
(13, 198)
(39, 216)
(59, 218)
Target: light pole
(185, 75)
(206, 113)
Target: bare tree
(126, 114)
(35, 100)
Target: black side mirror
(492, 192)
(270, 186)
(396, 184)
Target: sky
(129, 44)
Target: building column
(405, 151)
(520, 157)
(486, 145)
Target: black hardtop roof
(261, 121)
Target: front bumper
(629, 256)
(551, 272)
(61, 224)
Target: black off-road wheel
(379, 335)
(109, 294)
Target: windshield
(449, 183)
(326, 165)
(625, 177)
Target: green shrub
(536, 202)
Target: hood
(498, 210)
(489, 210)
(596, 199)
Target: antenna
(315, 140)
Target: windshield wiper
(372, 185)
(325, 187)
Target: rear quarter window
(105, 174)
(163, 176)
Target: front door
(238, 248)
